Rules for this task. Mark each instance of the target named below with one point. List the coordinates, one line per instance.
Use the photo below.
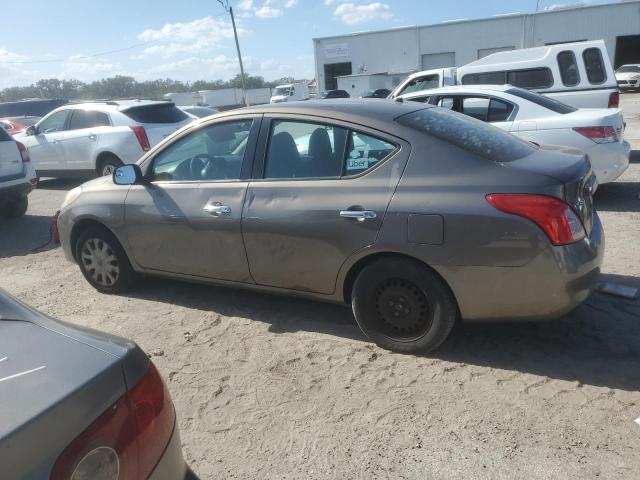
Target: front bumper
(609, 160)
(551, 285)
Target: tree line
(122, 86)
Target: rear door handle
(358, 214)
(217, 210)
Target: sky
(192, 40)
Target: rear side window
(4, 136)
(472, 135)
(594, 65)
(542, 100)
(499, 111)
(489, 78)
(568, 68)
(156, 113)
(88, 119)
(531, 78)
(421, 83)
(365, 151)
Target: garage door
(438, 60)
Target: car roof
(114, 105)
(357, 110)
(460, 88)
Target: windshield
(629, 69)
(421, 83)
(542, 100)
(282, 91)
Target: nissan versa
(412, 214)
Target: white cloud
(329, 2)
(267, 11)
(203, 34)
(352, 14)
(245, 5)
(6, 56)
(290, 3)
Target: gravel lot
(269, 387)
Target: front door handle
(92, 136)
(358, 214)
(217, 210)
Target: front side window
(214, 152)
(568, 68)
(531, 78)
(88, 119)
(594, 65)
(421, 83)
(54, 123)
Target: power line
(107, 52)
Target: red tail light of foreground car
(553, 216)
(127, 440)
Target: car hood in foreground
(55, 379)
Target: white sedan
(596, 131)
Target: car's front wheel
(103, 261)
(15, 207)
(403, 306)
(108, 165)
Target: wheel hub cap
(100, 262)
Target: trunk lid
(10, 158)
(572, 169)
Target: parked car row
(92, 138)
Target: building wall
(400, 51)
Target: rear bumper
(172, 465)
(551, 285)
(609, 160)
(16, 190)
(19, 184)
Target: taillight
(598, 134)
(24, 153)
(141, 135)
(614, 100)
(126, 441)
(557, 219)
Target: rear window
(470, 134)
(568, 68)
(594, 65)
(543, 101)
(156, 113)
(4, 136)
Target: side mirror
(127, 175)
(30, 131)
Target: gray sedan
(413, 215)
(79, 404)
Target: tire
(403, 306)
(15, 207)
(108, 164)
(103, 261)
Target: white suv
(92, 138)
(17, 177)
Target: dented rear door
(299, 231)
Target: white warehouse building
(381, 59)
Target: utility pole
(225, 5)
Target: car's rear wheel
(108, 164)
(16, 207)
(403, 306)
(103, 261)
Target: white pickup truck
(578, 74)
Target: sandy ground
(269, 387)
